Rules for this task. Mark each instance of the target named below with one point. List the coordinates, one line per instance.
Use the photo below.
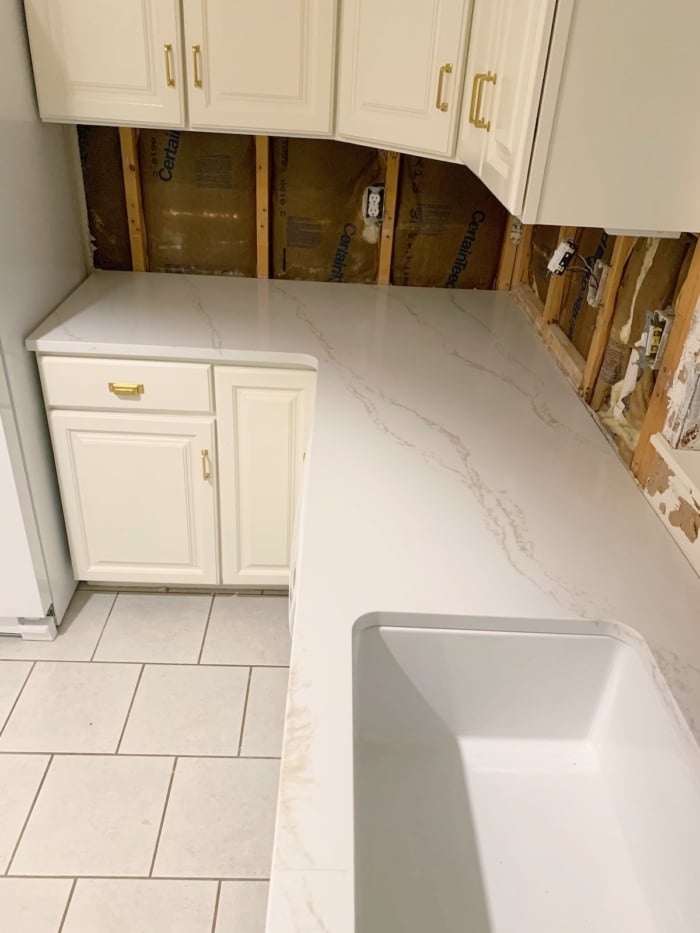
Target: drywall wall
(41, 261)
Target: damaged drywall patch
(682, 417)
(687, 518)
(660, 477)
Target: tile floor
(139, 760)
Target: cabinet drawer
(145, 385)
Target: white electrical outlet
(596, 283)
(561, 257)
(374, 203)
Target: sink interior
(518, 782)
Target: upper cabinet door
(107, 61)
(263, 66)
(401, 73)
(505, 73)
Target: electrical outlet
(596, 283)
(561, 257)
(374, 203)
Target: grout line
(245, 710)
(19, 694)
(206, 629)
(162, 818)
(102, 630)
(133, 661)
(31, 810)
(67, 907)
(150, 877)
(216, 907)
(63, 754)
(128, 712)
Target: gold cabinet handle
(439, 102)
(479, 81)
(168, 51)
(125, 388)
(472, 104)
(196, 56)
(205, 465)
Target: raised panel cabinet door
(263, 66)
(401, 71)
(138, 496)
(107, 61)
(477, 83)
(510, 97)
(264, 417)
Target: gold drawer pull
(440, 103)
(168, 49)
(205, 465)
(125, 388)
(196, 56)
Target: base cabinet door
(264, 417)
(98, 61)
(266, 66)
(138, 496)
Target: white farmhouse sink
(519, 782)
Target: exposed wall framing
(262, 204)
(663, 274)
(128, 139)
(233, 204)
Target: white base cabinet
(138, 496)
(263, 418)
(150, 496)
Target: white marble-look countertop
(451, 470)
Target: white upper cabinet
(401, 73)
(100, 61)
(263, 66)
(505, 69)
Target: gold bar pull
(168, 50)
(196, 56)
(439, 102)
(125, 388)
(205, 465)
(472, 103)
(479, 121)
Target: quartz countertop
(452, 470)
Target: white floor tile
(33, 905)
(77, 635)
(242, 907)
(12, 676)
(220, 819)
(95, 815)
(20, 775)
(183, 710)
(123, 906)
(248, 630)
(71, 706)
(264, 720)
(155, 628)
